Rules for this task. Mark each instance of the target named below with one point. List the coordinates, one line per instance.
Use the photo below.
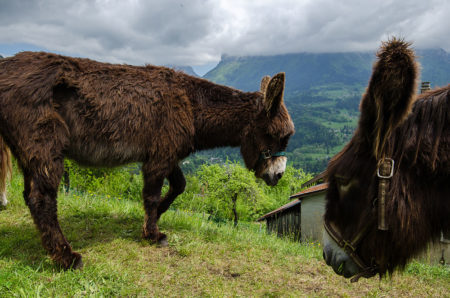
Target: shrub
(122, 182)
(224, 192)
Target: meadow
(204, 258)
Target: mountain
(303, 70)
(308, 71)
(322, 94)
(435, 66)
(186, 69)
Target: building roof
(317, 179)
(313, 189)
(297, 196)
(282, 208)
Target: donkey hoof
(75, 263)
(163, 242)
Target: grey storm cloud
(193, 32)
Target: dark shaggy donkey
(389, 188)
(99, 114)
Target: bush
(224, 192)
(124, 182)
(219, 190)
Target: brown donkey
(99, 114)
(389, 190)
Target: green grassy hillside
(203, 259)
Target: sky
(199, 32)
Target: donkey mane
(427, 124)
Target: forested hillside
(322, 94)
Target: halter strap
(385, 172)
(267, 154)
(350, 248)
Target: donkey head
(355, 241)
(266, 137)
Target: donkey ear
(273, 96)
(390, 94)
(264, 83)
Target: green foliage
(214, 156)
(121, 182)
(214, 186)
(427, 272)
(209, 190)
(223, 183)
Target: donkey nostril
(279, 175)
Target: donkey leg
(177, 183)
(39, 144)
(41, 187)
(152, 198)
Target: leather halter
(385, 172)
(350, 247)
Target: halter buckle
(347, 244)
(266, 154)
(391, 168)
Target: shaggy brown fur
(418, 139)
(99, 114)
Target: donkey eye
(341, 180)
(284, 142)
(345, 184)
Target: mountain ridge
(305, 70)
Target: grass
(203, 258)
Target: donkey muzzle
(274, 170)
(338, 259)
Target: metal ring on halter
(266, 154)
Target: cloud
(193, 32)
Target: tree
(231, 192)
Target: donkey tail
(5, 170)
